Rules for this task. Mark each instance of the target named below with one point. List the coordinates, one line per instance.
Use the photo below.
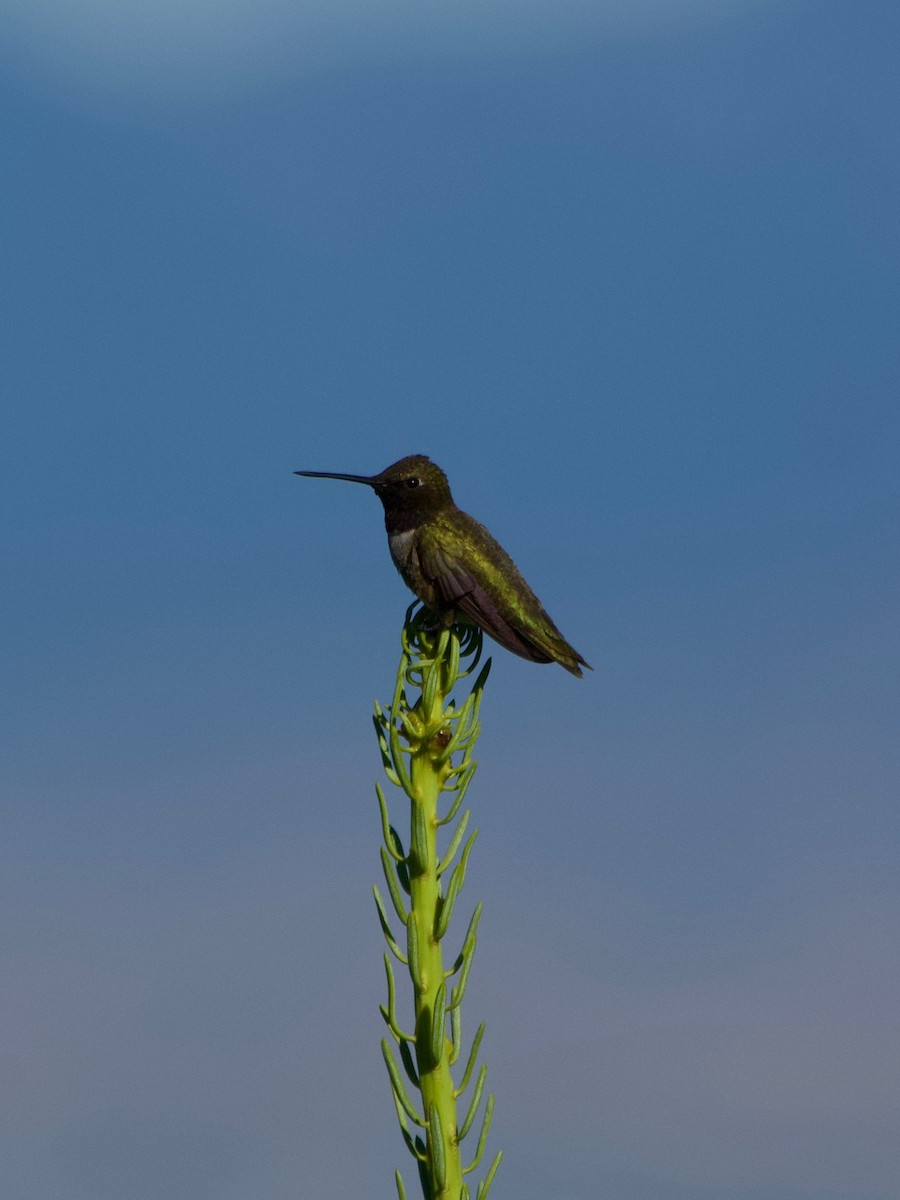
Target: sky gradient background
(629, 273)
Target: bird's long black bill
(335, 475)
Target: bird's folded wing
(458, 587)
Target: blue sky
(629, 273)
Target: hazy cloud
(198, 47)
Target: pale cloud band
(162, 46)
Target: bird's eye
(413, 481)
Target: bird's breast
(404, 552)
(401, 545)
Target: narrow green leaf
(459, 991)
(386, 761)
(466, 955)
(404, 1128)
(432, 679)
(407, 1060)
(470, 1062)
(438, 1015)
(397, 1084)
(412, 948)
(455, 1032)
(482, 1138)
(472, 642)
(389, 1012)
(453, 661)
(403, 874)
(475, 1101)
(391, 838)
(454, 806)
(458, 789)
(485, 1185)
(478, 686)
(399, 765)
(436, 1140)
(387, 866)
(457, 879)
(453, 845)
(385, 927)
(468, 946)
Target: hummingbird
(455, 567)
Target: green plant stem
(426, 749)
(436, 1083)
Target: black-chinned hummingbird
(455, 566)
